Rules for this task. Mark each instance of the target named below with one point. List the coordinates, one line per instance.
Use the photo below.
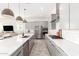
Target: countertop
(70, 48)
(9, 45)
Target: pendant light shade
(24, 21)
(7, 11)
(19, 18)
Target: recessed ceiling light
(53, 11)
(61, 8)
(25, 9)
(41, 8)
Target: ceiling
(33, 11)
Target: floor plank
(39, 48)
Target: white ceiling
(33, 12)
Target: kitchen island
(14, 46)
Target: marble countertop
(69, 47)
(9, 45)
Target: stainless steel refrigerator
(38, 31)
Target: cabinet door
(69, 15)
(50, 47)
(54, 50)
(18, 52)
(26, 49)
(31, 43)
(74, 15)
(57, 52)
(64, 16)
(60, 52)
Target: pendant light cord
(8, 5)
(69, 15)
(24, 12)
(19, 9)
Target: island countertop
(9, 45)
(69, 47)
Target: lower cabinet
(18, 52)
(26, 49)
(53, 49)
(31, 43)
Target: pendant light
(24, 21)
(7, 11)
(19, 18)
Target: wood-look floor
(39, 48)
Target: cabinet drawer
(31, 43)
(54, 50)
(26, 49)
(18, 52)
(61, 51)
(50, 47)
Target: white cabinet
(74, 15)
(60, 52)
(31, 43)
(26, 48)
(50, 47)
(64, 15)
(18, 52)
(53, 49)
(69, 15)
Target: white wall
(31, 25)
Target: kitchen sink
(55, 37)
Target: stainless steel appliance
(38, 31)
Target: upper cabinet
(69, 15)
(74, 15)
(64, 15)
